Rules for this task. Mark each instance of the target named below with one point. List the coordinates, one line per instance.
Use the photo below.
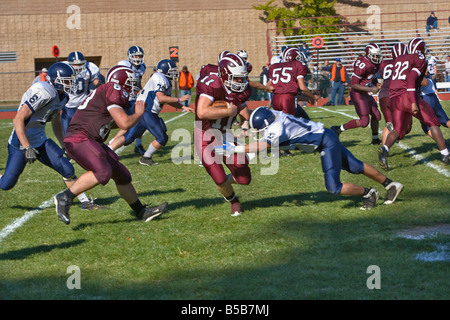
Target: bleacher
(348, 45)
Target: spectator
(447, 70)
(338, 82)
(305, 49)
(432, 23)
(186, 82)
(325, 79)
(263, 78)
(42, 76)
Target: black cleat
(393, 190)
(151, 213)
(337, 130)
(382, 158)
(375, 142)
(147, 161)
(446, 159)
(370, 199)
(62, 204)
(139, 149)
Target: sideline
(403, 146)
(18, 222)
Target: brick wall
(200, 28)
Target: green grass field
(294, 240)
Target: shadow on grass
(26, 252)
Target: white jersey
(157, 83)
(45, 103)
(83, 81)
(431, 61)
(289, 130)
(430, 88)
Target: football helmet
(222, 54)
(168, 68)
(373, 52)
(62, 77)
(398, 49)
(261, 118)
(77, 61)
(291, 54)
(416, 45)
(136, 55)
(233, 72)
(243, 54)
(125, 77)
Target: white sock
(444, 152)
(150, 151)
(342, 127)
(83, 197)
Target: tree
(301, 17)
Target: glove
(226, 148)
(31, 154)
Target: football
(220, 104)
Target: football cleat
(375, 142)
(382, 158)
(147, 161)
(90, 205)
(62, 205)
(236, 209)
(446, 159)
(336, 130)
(151, 213)
(370, 199)
(393, 190)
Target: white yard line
(18, 222)
(412, 152)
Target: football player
(102, 110)
(406, 102)
(28, 142)
(230, 85)
(282, 129)
(287, 78)
(156, 92)
(87, 73)
(385, 72)
(365, 69)
(136, 63)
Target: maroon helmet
(417, 45)
(398, 49)
(125, 77)
(243, 54)
(233, 72)
(249, 67)
(222, 54)
(373, 52)
(292, 53)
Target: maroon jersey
(208, 69)
(212, 87)
(284, 76)
(409, 71)
(92, 120)
(386, 69)
(363, 72)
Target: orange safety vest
(43, 78)
(333, 73)
(185, 80)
